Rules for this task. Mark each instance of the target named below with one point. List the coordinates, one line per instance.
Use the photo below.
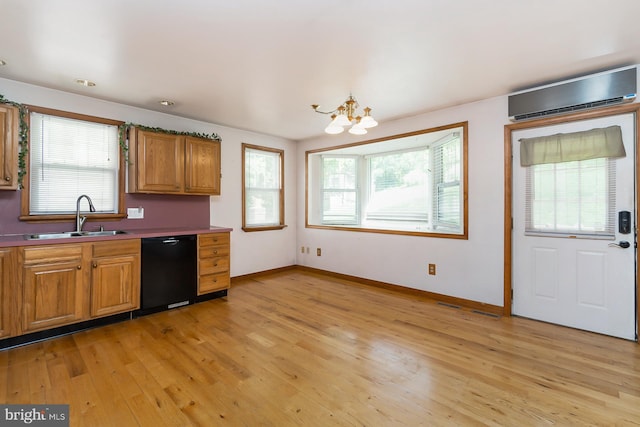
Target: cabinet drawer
(213, 252)
(213, 282)
(42, 254)
(116, 247)
(213, 239)
(213, 265)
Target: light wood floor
(301, 349)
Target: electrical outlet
(319, 252)
(302, 250)
(432, 269)
(307, 249)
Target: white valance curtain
(569, 147)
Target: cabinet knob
(215, 265)
(7, 178)
(215, 252)
(79, 267)
(95, 265)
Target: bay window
(408, 184)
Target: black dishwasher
(168, 273)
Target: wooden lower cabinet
(69, 283)
(213, 262)
(48, 286)
(115, 277)
(53, 291)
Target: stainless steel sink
(67, 234)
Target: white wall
(250, 252)
(259, 250)
(470, 269)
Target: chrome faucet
(81, 219)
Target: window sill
(462, 236)
(72, 217)
(267, 228)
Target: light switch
(135, 213)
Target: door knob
(621, 244)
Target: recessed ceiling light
(85, 82)
(2, 63)
(166, 102)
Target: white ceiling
(259, 65)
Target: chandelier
(345, 115)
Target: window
(570, 182)
(71, 155)
(339, 192)
(398, 186)
(409, 184)
(262, 188)
(575, 198)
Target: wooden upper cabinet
(158, 163)
(173, 164)
(202, 166)
(9, 119)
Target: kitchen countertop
(8, 240)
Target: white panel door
(577, 281)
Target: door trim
(508, 186)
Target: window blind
(447, 187)
(571, 198)
(68, 158)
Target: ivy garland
(125, 128)
(23, 140)
(23, 131)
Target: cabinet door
(160, 162)
(202, 173)
(115, 277)
(53, 294)
(8, 147)
(115, 285)
(8, 305)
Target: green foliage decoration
(23, 137)
(124, 128)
